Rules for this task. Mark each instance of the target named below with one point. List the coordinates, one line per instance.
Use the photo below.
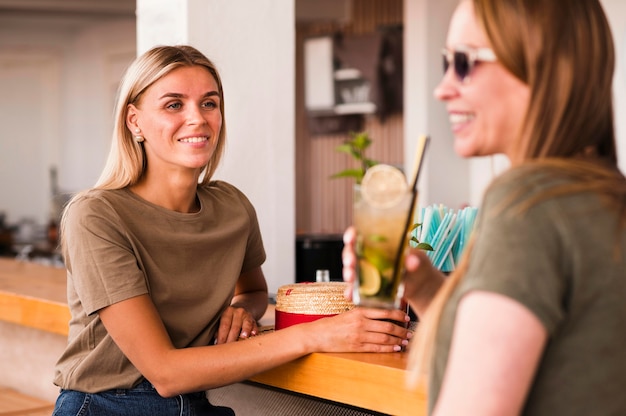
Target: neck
(172, 194)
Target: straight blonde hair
(126, 162)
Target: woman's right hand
(421, 279)
(361, 330)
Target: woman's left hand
(235, 323)
(249, 303)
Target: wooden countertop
(367, 380)
(34, 295)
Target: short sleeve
(255, 251)
(520, 255)
(102, 266)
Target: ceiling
(72, 15)
(62, 15)
(306, 10)
(75, 7)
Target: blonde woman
(533, 321)
(164, 263)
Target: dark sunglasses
(463, 59)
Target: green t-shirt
(120, 246)
(565, 260)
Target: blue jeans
(142, 400)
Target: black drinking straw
(422, 144)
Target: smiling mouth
(457, 118)
(198, 139)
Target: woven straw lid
(313, 298)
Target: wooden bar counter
(34, 296)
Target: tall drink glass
(381, 225)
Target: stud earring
(138, 137)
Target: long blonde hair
(126, 162)
(566, 57)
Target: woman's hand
(421, 279)
(361, 330)
(235, 323)
(249, 303)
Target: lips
(197, 139)
(459, 118)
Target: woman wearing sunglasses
(533, 319)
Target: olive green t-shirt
(120, 246)
(565, 260)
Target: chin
(198, 163)
(464, 151)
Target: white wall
(98, 58)
(444, 177)
(253, 47)
(28, 132)
(616, 12)
(27, 359)
(58, 76)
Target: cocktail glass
(381, 242)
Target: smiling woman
(530, 294)
(164, 263)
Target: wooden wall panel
(324, 205)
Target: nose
(195, 115)
(447, 87)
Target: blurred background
(299, 76)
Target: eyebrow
(178, 95)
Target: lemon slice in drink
(383, 186)
(369, 282)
